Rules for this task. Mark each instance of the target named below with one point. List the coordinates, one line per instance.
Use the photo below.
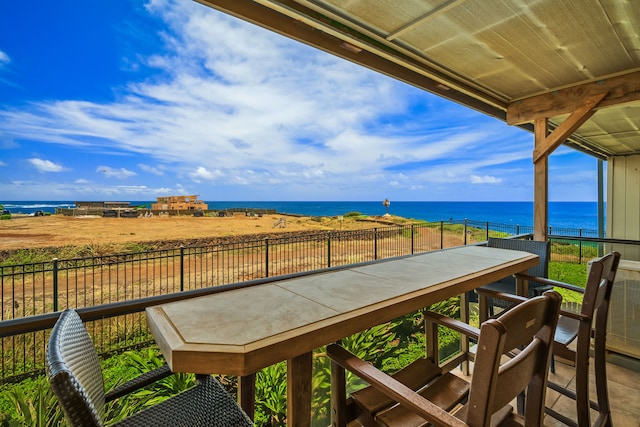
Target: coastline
(561, 214)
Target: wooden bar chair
(586, 330)
(74, 373)
(529, 327)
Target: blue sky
(132, 100)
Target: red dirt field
(25, 232)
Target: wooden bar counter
(244, 330)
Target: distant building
(179, 203)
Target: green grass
(575, 274)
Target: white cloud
(4, 59)
(46, 165)
(486, 179)
(151, 169)
(2, 163)
(110, 172)
(83, 189)
(205, 174)
(242, 106)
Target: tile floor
(624, 395)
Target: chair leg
(582, 378)
(464, 339)
(483, 307)
(520, 403)
(600, 369)
(338, 396)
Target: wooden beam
(564, 131)
(540, 185)
(619, 90)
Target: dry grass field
(24, 232)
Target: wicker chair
(73, 369)
(508, 284)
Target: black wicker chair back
(508, 284)
(541, 270)
(74, 373)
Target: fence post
(55, 284)
(517, 229)
(266, 257)
(181, 268)
(412, 236)
(487, 227)
(441, 234)
(580, 246)
(375, 243)
(465, 231)
(329, 249)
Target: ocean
(561, 214)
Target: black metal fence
(32, 293)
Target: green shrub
(30, 404)
(375, 345)
(271, 395)
(129, 365)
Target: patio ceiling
(516, 60)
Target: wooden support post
(545, 144)
(299, 390)
(540, 184)
(247, 394)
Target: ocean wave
(37, 205)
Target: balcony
(179, 284)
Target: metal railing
(112, 291)
(36, 288)
(124, 284)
